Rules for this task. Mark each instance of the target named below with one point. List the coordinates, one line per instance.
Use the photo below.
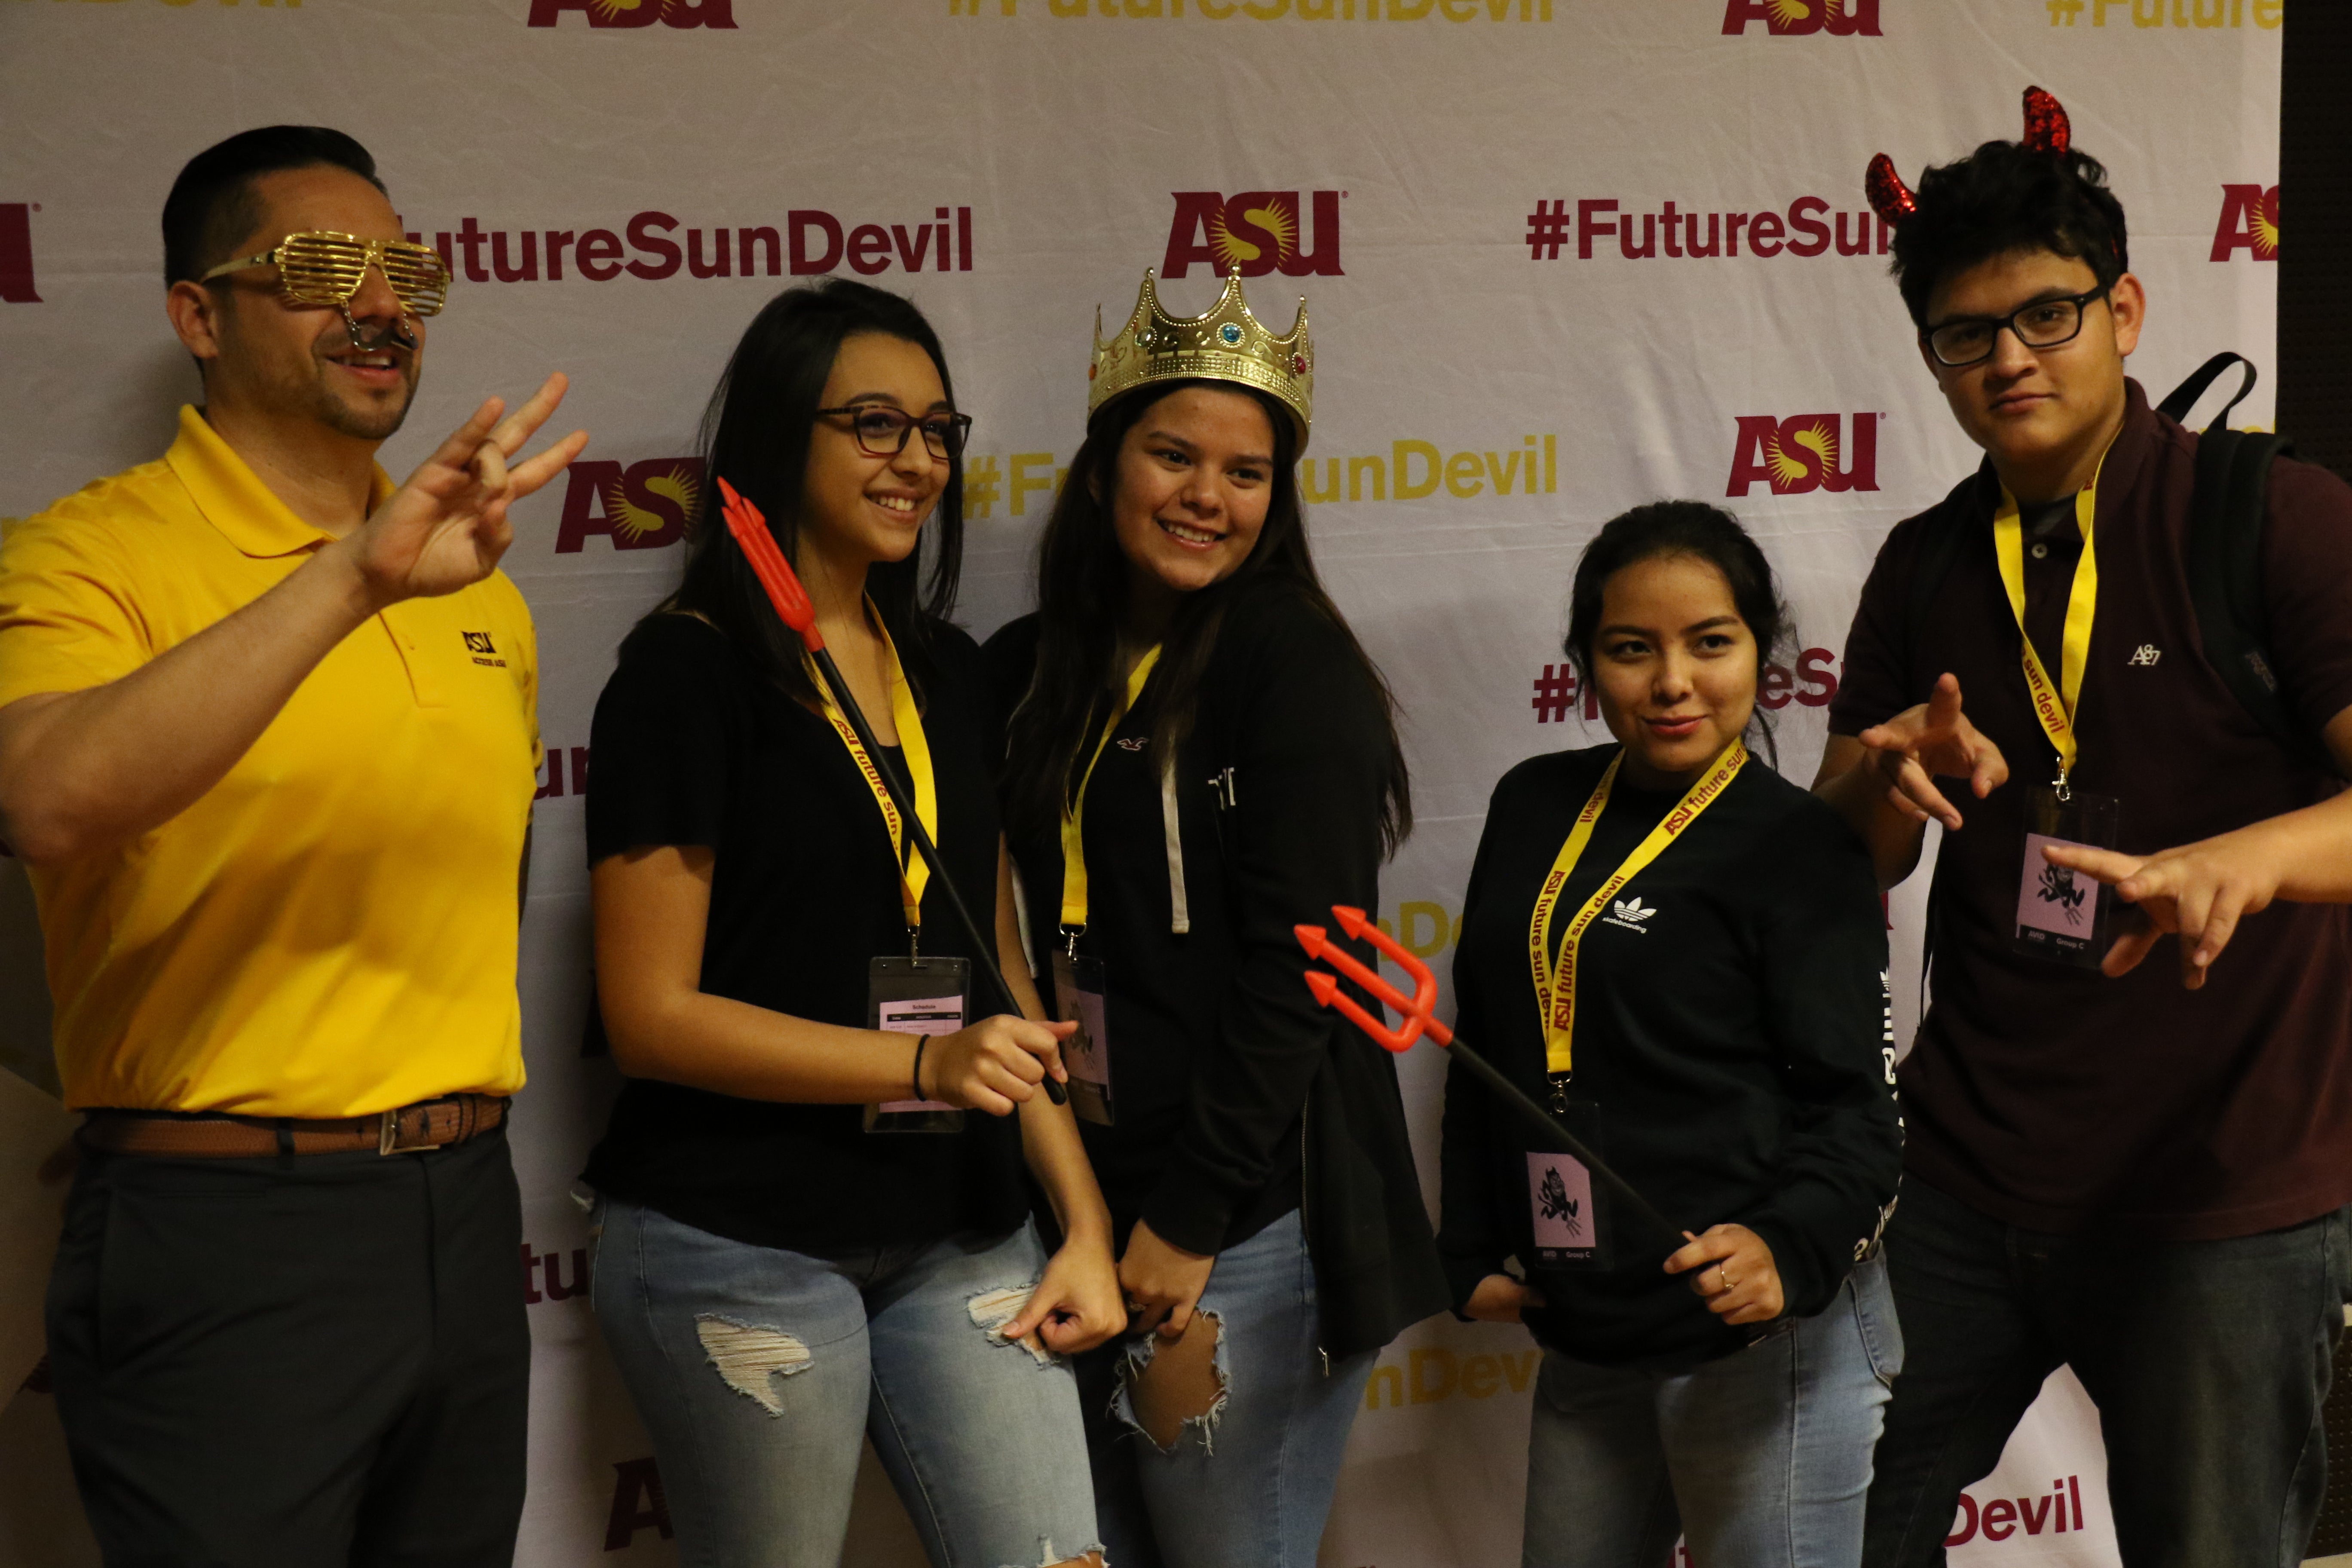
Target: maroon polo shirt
(2050, 1097)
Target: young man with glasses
(267, 745)
(2139, 1170)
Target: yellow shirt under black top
(330, 930)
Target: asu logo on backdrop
(1794, 18)
(643, 507)
(1805, 453)
(16, 254)
(2249, 222)
(1257, 231)
(637, 12)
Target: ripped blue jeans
(758, 1370)
(1249, 1484)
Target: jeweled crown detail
(1225, 343)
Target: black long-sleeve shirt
(1213, 1036)
(1735, 1036)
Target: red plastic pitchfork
(791, 599)
(1420, 1018)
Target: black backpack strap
(2182, 398)
(2225, 577)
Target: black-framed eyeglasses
(2044, 325)
(882, 431)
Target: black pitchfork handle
(1560, 1136)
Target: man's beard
(374, 421)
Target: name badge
(1078, 991)
(1560, 1192)
(1561, 1199)
(2063, 914)
(915, 996)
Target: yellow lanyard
(1073, 845)
(914, 878)
(1556, 983)
(2053, 706)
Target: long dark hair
(1082, 589)
(1689, 528)
(756, 434)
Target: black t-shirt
(692, 748)
(1214, 1038)
(2053, 1098)
(1730, 1023)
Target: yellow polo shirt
(330, 930)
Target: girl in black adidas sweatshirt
(1683, 956)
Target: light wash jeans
(1250, 1485)
(757, 1370)
(1761, 1457)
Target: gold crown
(1223, 343)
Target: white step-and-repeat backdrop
(1563, 255)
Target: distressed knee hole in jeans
(1167, 1388)
(991, 1309)
(1087, 1557)
(749, 1357)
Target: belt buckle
(387, 1138)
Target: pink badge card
(2063, 913)
(1559, 1195)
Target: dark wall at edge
(2314, 286)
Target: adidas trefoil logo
(1629, 913)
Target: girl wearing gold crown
(1200, 756)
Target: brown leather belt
(428, 1124)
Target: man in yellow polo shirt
(268, 746)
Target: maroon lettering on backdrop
(16, 254)
(1804, 453)
(2249, 222)
(1256, 232)
(638, 1504)
(627, 13)
(646, 506)
(657, 248)
(1796, 18)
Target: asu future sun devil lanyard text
(914, 871)
(1556, 981)
(2058, 915)
(2053, 704)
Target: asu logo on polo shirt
(16, 254)
(1257, 231)
(637, 12)
(2249, 222)
(1804, 452)
(643, 507)
(1794, 18)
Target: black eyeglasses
(2044, 325)
(882, 431)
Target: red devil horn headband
(1890, 198)
(2046, 131)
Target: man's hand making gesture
(1932, 741)
(82, 770)
(446, 527)
(1882, 781)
